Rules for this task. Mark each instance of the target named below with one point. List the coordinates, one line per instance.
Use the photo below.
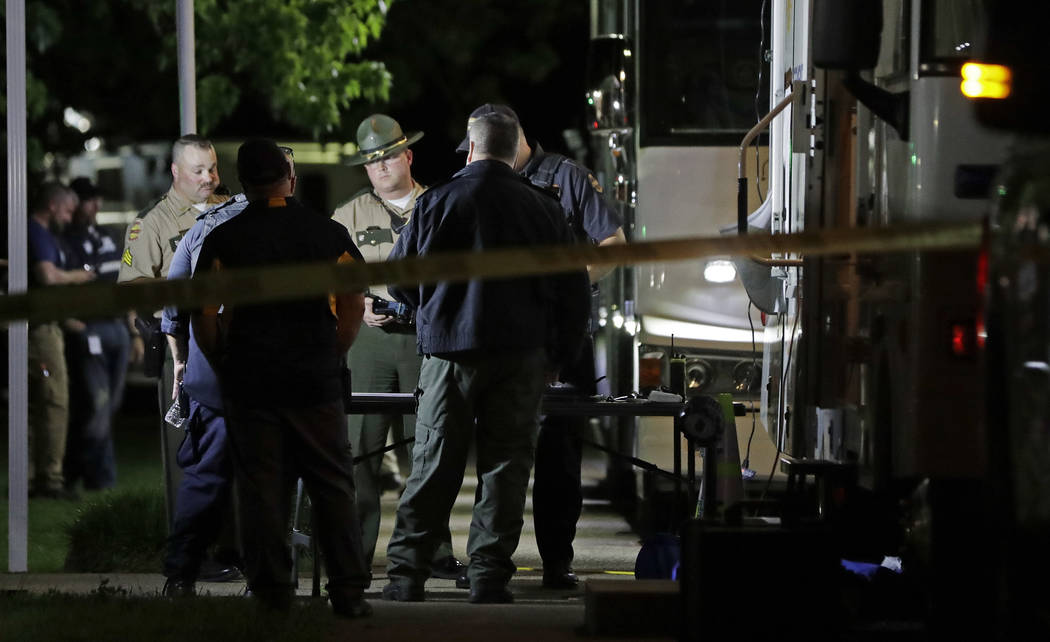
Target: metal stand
(405, 403)
(301, 540)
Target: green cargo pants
(493, 399)
(381, 362)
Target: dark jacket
(281, 354)
(485, 206)
(579, 192)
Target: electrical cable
(780, 406)
(746, 463)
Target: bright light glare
(76, 120)
(617, 320)
(93, 144)
(662, 327)
(719, 271)
(985, 81)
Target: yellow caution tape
(293, 282)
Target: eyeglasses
(287, 150)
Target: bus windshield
(950, 28)
(700, 62)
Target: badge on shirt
(374, 235)
(594, 183)
(127, 256)
(136, 229)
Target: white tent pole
(187, 67)
(17, 332)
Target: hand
(375, 320)
(180, 372)
(84, 276)
(137, 349)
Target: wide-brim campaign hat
(379, 136)
(484, 110)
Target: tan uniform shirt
(152, 237)
(368, 222)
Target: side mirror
(846, 36)
(846, 33)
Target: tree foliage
(43, 28)
(298, 61)
(301, 54)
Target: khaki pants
(48, 406)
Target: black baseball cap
(84, 188)
(261, 162)
(484, 110)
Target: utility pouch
(155, 342)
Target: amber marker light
(985, 81)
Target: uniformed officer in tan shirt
(151, 238)
(384, 358)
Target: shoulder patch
(146, 210)
(594, 183)
(136, 229)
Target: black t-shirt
(281, 354)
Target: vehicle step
(636, 608)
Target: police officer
(489, 345)
(149, 246)
(384, 357)
(152, 237)
(557, 499)
(96, 352)
(280, 364)
(48, 381)
(205, 488)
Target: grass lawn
(137, 443)
(111, 615)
